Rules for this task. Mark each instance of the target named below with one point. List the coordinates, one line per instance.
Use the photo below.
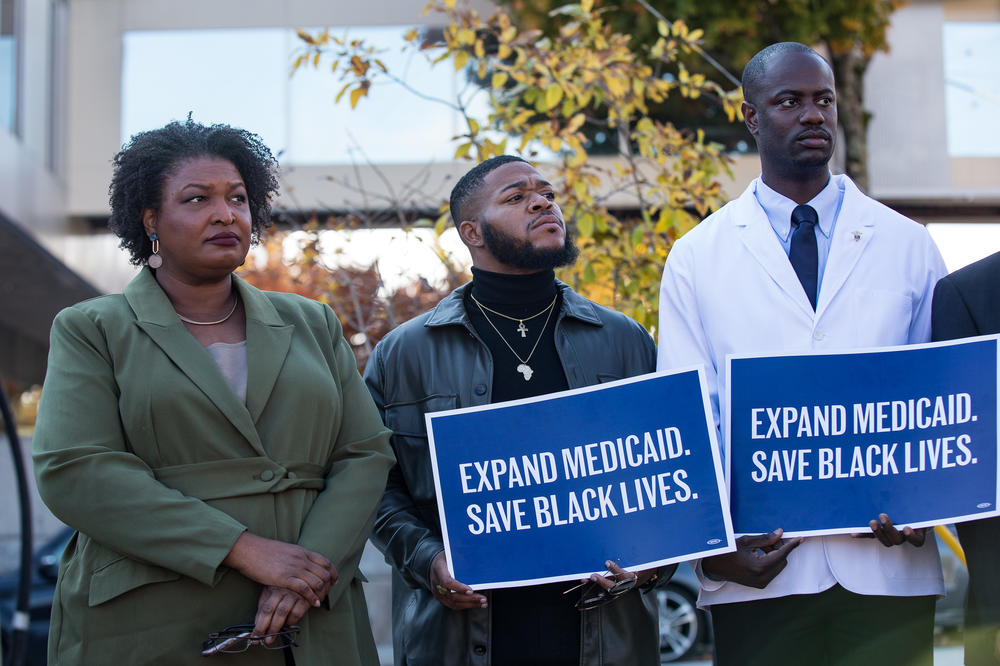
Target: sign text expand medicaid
(548, 489)
(821, 444)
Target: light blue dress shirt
(779, 209)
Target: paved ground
(950, 655)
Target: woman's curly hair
(145, 162)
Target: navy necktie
(803, 253)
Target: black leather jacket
(435, 362)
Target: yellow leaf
(587, 5)
(585, 226)
(479, 49)
(481, 69)
(463, 150)
(503, 52)
(466, 36)
(357, 94)
(305, 36)
(552, 95)
(341, 93)
(411, 35)
(499, 78)
(616, 87)
(440, 224)
(473, 126)
(461, 58)
(316, 59)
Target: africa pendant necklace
(523, 368)
(521, 328)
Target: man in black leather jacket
(468, 351)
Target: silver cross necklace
(523, 368)
(521, 328)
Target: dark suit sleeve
(950, 316)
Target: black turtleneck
(518, 296)
(538, 624)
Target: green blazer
(143, 447)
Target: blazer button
(480, 390)
(818, 335)
(480, 650)
(266, 475)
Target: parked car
(45, 569)
(685, 631)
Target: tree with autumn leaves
(543, 91)
(558, 74)
(851, 32)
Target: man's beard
(522, 254)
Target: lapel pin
(857, 236)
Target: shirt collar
(779, 208)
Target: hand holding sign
(884, 531)
(450, 592)
(757, 560)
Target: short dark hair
(468, 185)
(755, 70)
(148, 158)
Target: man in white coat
(804, 261)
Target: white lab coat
(729, 288)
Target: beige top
(231, 357)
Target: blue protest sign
(821, 444)
(549, 488)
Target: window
(9, 52)
(972, 88)
(240, 77)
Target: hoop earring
(154, 260)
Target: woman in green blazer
(213, 444)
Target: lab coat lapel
(157, 318)
(268, 342)
(758, 237)
(853, 232)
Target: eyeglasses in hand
(240, 638)
(594, 595)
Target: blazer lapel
(157, 318)
(758, 237)
(268, 342)
(854, 230)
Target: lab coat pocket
(880, 317)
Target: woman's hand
(277, 608)
(285, 565)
